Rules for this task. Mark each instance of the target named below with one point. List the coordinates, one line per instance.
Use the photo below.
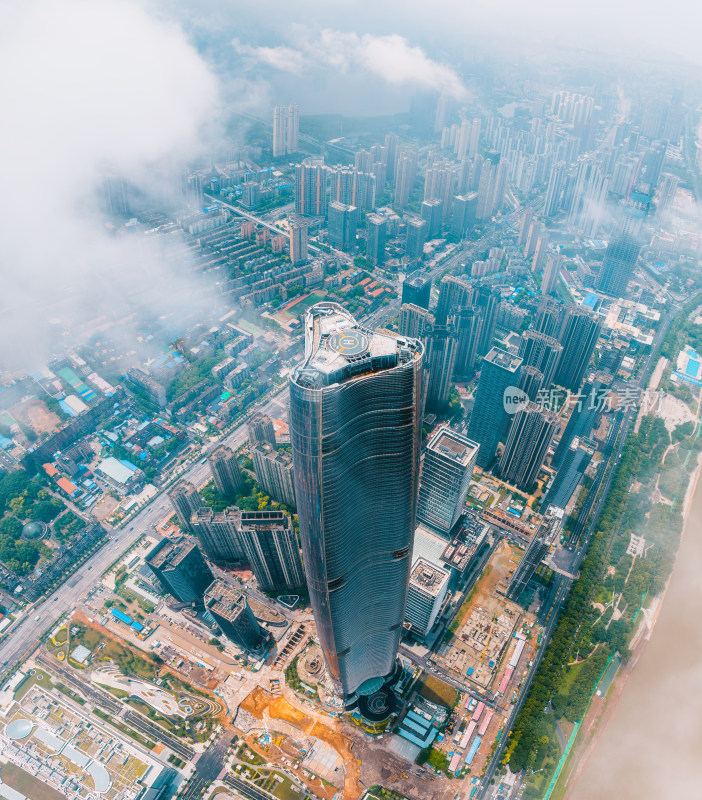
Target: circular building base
(378, 706)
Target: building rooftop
(454, 446)
(170, 553)
(502, 358)
(225, 601)
(427, 578)
(338, 349)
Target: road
(209, 766)
(24, 636)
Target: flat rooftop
(225, 601)
(454, 446)
(427, 577)
(502, 358)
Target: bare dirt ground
(36, 416)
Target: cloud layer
(95, 88)
(391, 58)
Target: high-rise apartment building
(487, 301)
(584, 414)
(531, 381)
(218, 534)
(376, 231)
(581, 330)
(464, 208)
(298, 243)
(186, 501)
(440, 360)
(571, 472)
(274, 471)
(530, 435)
(180, 569)
(417, 290)
(552, 271)
(415, 321)
(489, 418)
(454, 293)
(541, 351)
(286, 126)
(447, 468)
(425, 595)
(467, 322)
(405, 176)
(311, 183)
(225, 470)
(270, 544)
(229, 608)
(353, 188)
(342, 225)
(260, 428)
(549, 317)
(355, 416)
(432, 214)
(417, 232)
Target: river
(651, 748)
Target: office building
(546, 536)
(376, 233)
(186, 501)
(467, 323)
(447, 467)
(571, 472)
(270, 544)
(311, 183)
(454, 293)
(581, 329)
(298, 243)
(342, 225)
(584, 414)
(274, 472)
(415, 321)
(225, 471)
(417, 290)
(355, 417)
(432, 214)
(417, 231)
(552, 271)
(489, 418)
(440, 359)
(260, 428)
(180, 569)
(229, 608)
(425, 595)
(218, 534)
(540, 351)
(530, 434)
(618, 265)
(463, 213)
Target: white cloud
(391, 58)
(88, 87)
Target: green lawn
(40, 677)
(300, 307)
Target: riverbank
(625, 748)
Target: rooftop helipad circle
(349, 343)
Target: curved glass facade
(355, 428)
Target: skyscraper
(417, 290)
(552, 270)
(546, 535)
(489, 418)
(270, 543)
(463, 213)
(432, 213)
(584, 414)
(274, 471)
(540, 351)
(531, 381)
(487, 301)
(426, 593)
(454, 293)
(298, 243)
(229, 608)
(355, 415)
(405, 176)
(186, 501)
(376, 227)
(581, 330)
(467, 322)
(342, 225)
(180, 569)
(417, 231)
(618, 265)
(447, 468)
(225, 470)
(440, 359)
(286, 124)
(549, 317)
(311, 182)
(218, 534)
(260, 428)
(530, 435)
(415, 322)
(571, 472)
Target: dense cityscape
(379, 498)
